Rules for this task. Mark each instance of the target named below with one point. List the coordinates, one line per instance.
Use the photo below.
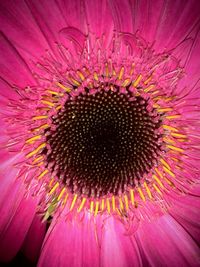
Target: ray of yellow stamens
(102, 204)
(141, 194)
(35, 151)
(80, 74)
(121, 73)
(92, 206)
(43, 126)
(113, 203)
(32, 139)
(61, 194)
(42, 174)
(157, 189)
(169, 171)
(73, 202)
(67, 89)
(48, 103)
(37, 159)
(40, 117)
(178, 149)
(54, 188)
(121, 205)
(148, 190)
(82, 204)
(137, 81)
(172, 117)
(126, 82)
(126, 202)
(157, 180)
(165, 109)
(165, 163)
(148, 79)
(132, 197)
(108, 205)
(169, 128)
(179, 135)
(96, 76)
(96, 208)
(149, 88)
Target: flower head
(101, 132)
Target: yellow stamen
(42, 174)
(132, 197)
(121, 205)
(169, 141)
(65, 199)
(121, 73)
(108, 205)
(48, 103)
(132, 68)
(172, 117)
(137, 81)
(169, 128)
(126, 82)
(96, 208)
(158, 180)
(179, 135)
(165, 109)
(141, 194)
(32, 139)
(82, 204)
(54, 93)
(178, 149)
(165, 163)
(96, 76)
(157, 189)
(149, 88)
(148, 80)
(102, 204)
(73, 202)
(155, 92)
(67, 89)
(54, 188)
(43, 126)
(169, 172)
(92, 206)
(126, 202)
(107, 70)
(75, 82)
(113, 203)
(61, 194)
(80, 74)
(35, 151)
(40, 117)
(37, 159)
(148, 190)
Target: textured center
(103, 142)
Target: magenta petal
(35, 236)
(166, 243)
(118, 248)
(17, 228)
(71, 243)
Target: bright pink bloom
(99, 113)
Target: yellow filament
(172, 117)
(82, 204)
(42, 174)
(141, 194)
(132, 197)
(137, 81)
(37, 159)
(96, 208)
(121, 205)
(80, 74)
(75, 82)
(165, 109)
(157, 189)
(40, 117)
(169, 141)
(34, 138)
(54, 93)
(179, 135)
(178, 149)
(48, 103)
(92, 206)
(54, 188)
(165, 164)
(168, 171)
(169, 128)
(126, 202)
(108, 205)
(61, 193)
(96, 76)
(113, 203)
(35, 151)
(148, 190)
(149, 88)
(67, 89)
(121, 73)
(126, 82)
(158, 180)
(102, 204)
(73, 202)
(43, 126)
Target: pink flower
(99, 111)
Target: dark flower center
(103, 142)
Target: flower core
(103, 141)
